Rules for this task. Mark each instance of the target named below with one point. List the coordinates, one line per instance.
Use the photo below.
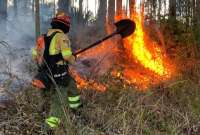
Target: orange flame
(147, 63)
(83, 83)
(150, 60)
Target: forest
(146, 82)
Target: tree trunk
(111, 11)
(132, 7)
(3, 17)
(54, 7)
(3, 9)
(154, 6)
(33, 6)
(80, 12)
(197, 22)
(102, 15)
(15, 7)
(159, 9)
(64, 5)
(193, 12)
(172, 10)
(37, 18)
(119, 8)
(187, 13)
(87, 3)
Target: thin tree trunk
(148, 7)
(132, 7)
(154, 6)
(95, 7)
(193, 12)
(54, 7)
(3, 9)
(195, 25)
(37, 18)
(101, 21)
(111, 11)
(159, 9)
(87, 6)
(165, 7)
(187, 17)
(15, 7)
(33, 6)
(119, 8)
(127, 7)
(197, 22)
(172, 10)
(80, 13)
(65, 5)
(3, 17)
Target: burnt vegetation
(170, 108)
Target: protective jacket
(50, 52)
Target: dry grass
(174, 110)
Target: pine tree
(3, 9)
(119, 8)
(101, 20)
(172, 10)
(15, 7)
(65, 5)
(37, 18)
(111, 11)
(132, 6)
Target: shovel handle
(124, 27)
(95, 44)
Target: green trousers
(69, 95)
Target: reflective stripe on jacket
(59, 44)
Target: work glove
(72, 59)
(75, 57)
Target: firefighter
(53, 54)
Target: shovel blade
(125, 27)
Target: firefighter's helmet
(61, 21)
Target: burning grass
(120, 110)
(146, 63)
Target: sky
(91, 4)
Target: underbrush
(173, 110)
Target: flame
(147, 64)
(150, 60)
(143, 62)
(83, 83)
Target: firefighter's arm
(38, 50)
(66, 50)
(34, 53)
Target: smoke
(18, 33)
(17, 37)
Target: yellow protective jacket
(60, 43)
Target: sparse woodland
(170, 108)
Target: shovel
(124, 27)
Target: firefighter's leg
(54, 118)
(42, 83)
(70, 94)
(73, 95)
(56, 114)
